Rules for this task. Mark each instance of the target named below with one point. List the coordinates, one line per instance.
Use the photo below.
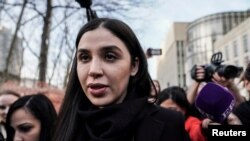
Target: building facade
(235, 47)
(171, 63)
(188, 44)
(204, 32)
(17, 54)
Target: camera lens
(229, 71)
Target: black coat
(162, 125)
(131, 122)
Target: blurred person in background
(7, 97)
(241, 114)
(31, 118)
(174, 98)
(246, 79)
(193, 91)
(215, 72)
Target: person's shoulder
(164, 121)
(165, 114)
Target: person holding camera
(216, 72)
(198, 85)
(200, 75)
(241, 114)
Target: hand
(207, 121)
(232, 119)
(200, 73)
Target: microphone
(215, 102)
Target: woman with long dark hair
(109, 86)
(31, 118)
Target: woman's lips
(97, 90)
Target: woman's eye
(110, 56)
(84, 57)
(2, 107)
(25, 129)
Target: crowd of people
(110, 96)
(218, 102)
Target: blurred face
(5, 101)
(104, 67)
(247, 85)
(25, 125)
(170, 104)
(222, 80)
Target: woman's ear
(134, 67)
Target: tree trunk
(45, 44)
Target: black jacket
(1, 137)
(162, 125)
(131, 121)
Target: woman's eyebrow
(82, 50)
(105, 48)
(111, 47)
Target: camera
(226, 71)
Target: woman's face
(170, 104)
(5, 101)
(25, 125)
(247, 85)
(104, 67)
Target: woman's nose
(96, 69)
(6, 110)
(17, 137)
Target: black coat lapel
(150, 129)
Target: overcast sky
(156, 19)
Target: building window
(246, 60)
(235, 49)
(245, 43)
(182, 51)
(178, 48)
(184, 80)
(190, 48)
(226, 53)
(236, 62)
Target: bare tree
(45, 42)
(13, 41)
(64, 43)
(48, 31)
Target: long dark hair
(178, 95)
(75, 97)
(41, 108)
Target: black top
(1, 137)
(133, 120)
